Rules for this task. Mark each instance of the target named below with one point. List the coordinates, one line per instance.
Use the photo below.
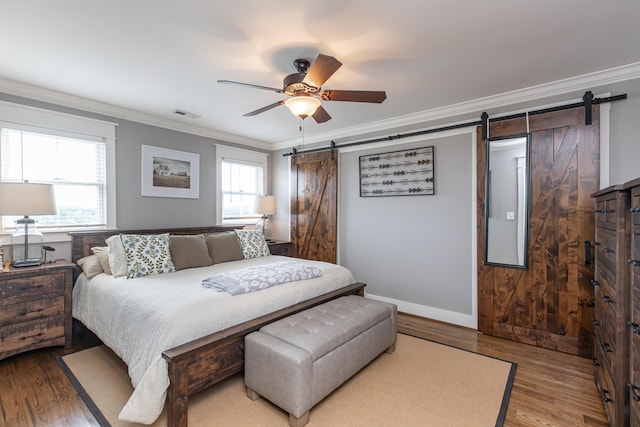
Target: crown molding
(533, 93)
(12, 87)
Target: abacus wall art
(398, 173)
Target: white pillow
(252, 243)
(147, 254)
(90, 266)
(117, 257)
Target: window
(33, 148)
(241, 176)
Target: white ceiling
(155, 56)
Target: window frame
(237, 155)
(48, 122)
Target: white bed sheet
(140, 318)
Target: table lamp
(267, 205)
(23, 198)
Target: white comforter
(140, 318)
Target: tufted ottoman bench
(297, 361)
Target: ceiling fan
(304, 89)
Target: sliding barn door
(314, 205)
(550, 304)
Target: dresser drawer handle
(603, 211)
(595, 361)
(634, 262)
(595, 322)
(606, 347)
(607, 299)
(39, 334)
(605, 398)
(633, 388)
(607, 250)
(634, 210)
(594, 282)
(594, 243)
(22, 313)
(635, 327)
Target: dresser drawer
(31, 310)
(30, 335)
(19, 288)
(606, 389)
(606, 249)
(605, 213)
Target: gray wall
(416, 249)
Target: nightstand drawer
(31, 310)
(25, 336)
(31, 286)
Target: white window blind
(75, 167)
(241, 177)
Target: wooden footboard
(199, 364)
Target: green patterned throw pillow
(252, 243)
(147, 254)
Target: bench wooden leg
(251, 394)
(391, 349)
(299, 422)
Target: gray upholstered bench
(297, 361)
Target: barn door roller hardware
(587, 101)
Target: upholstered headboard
(83, 241)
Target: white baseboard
(452, 317)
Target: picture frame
(169, 173)
(398, 173)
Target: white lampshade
(302, 106)
(267, 205)
(21, 198)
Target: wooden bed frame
(199, 364)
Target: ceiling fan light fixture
(302, 106)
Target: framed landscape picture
(170, 173)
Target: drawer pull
(605, 398)
(635, 327)
(594, 243)
(607, 250)
(594, 282)
(633, 388)
(595, 361)
(607, 298)
(39, 334)
(634, 210)
(596, 322)
(22, 313)
(603, 211)
(634, 262)
(606, 347)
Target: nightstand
(280, 248)
(35, 307)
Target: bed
(203, 355)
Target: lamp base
(27, 262)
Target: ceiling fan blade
(263, 109)
(229, 82)
(322, 68)
(354, 95)
(321, 115)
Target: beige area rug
(421, 384)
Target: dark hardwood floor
(550, 388)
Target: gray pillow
(189, 251)
(224, 247)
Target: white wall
(415, 251)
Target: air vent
(186, 114)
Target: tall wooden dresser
(634, 322)
(611, 283)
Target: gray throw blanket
(260, 277)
